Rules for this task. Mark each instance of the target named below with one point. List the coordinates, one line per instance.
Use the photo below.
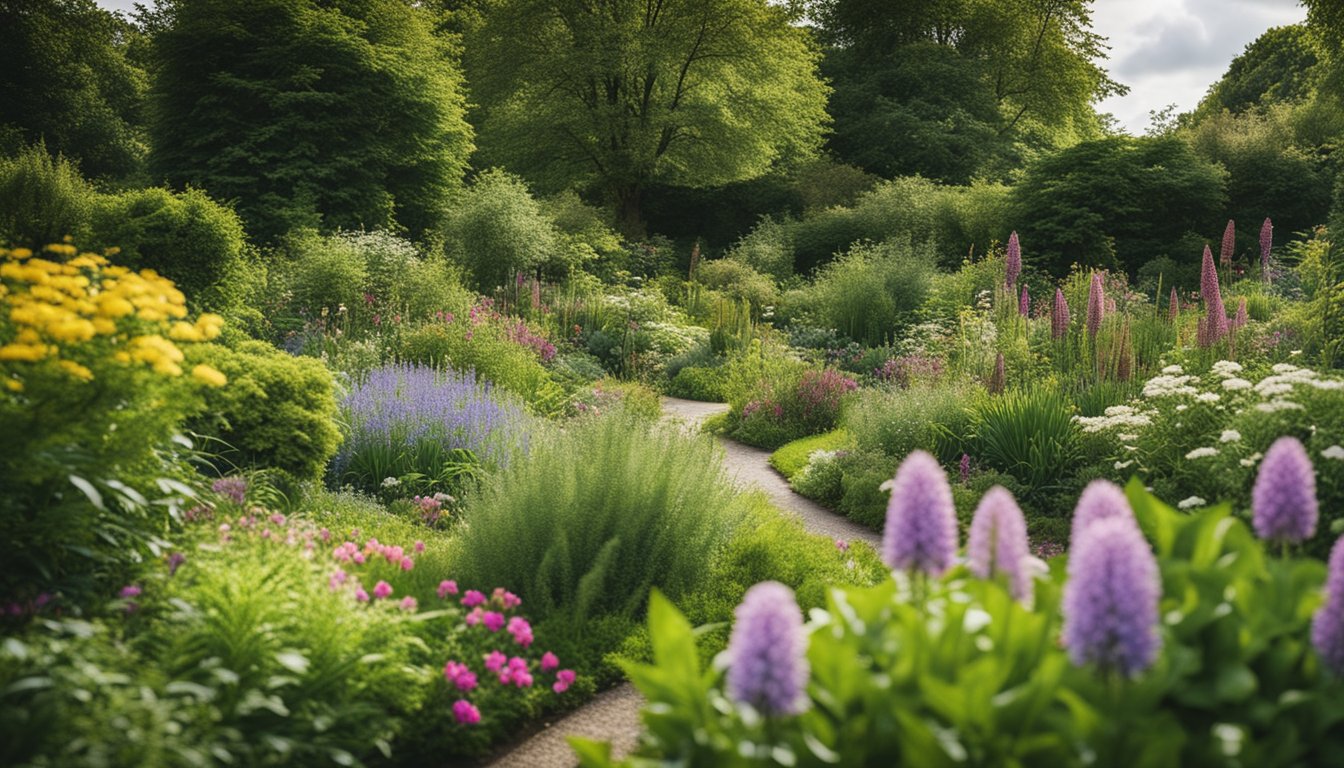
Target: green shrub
(768, 249)
(871, 292)
(935, 418)
(597, 515)
(862, 474)
(42, 199)
(187, 237)
(698, 383)
(487, 351)
(737, 279)
(822, 478)
(1029, 434)
(323, 274)
(496, 229)
(277, 411)
(792, 457)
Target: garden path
(614, 714)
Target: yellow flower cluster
(82, 305)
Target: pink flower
(408, 603)
(549, 661)
(460, 675)
(495, 661)
(419, 547)
(407, 563)
(493, 620)
(337, 580)
(382, 589)
(447, 588)
(466, 712)
(506, 598)
(563, 679)
(473, 618)
(842, 545)
(521, 631)
(129, 591)
(472, 598)
(361, 595)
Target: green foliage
(1029, 434)
(596, 516)
(496, 230)
(894, 422)
(790, 458)
(696, 382)
(325, 115)
(768, 248)
(871, 292)
(42, 199)
(486, 350)
(71, 84)
(186, 237)
(1276, 67)
(696, 95)
(277, 411)
(1117, 202)
(738, 280)
(892, 677)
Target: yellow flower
(62, 249)
(210, 376)
(73, 331)
(14, 385)
(112, 306)
(20, 253)
(185, 332)
(167, 368)
(28, 353)
(76, 370)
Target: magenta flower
(409, 603)
(921, 526)
(494, 661)
(232, 488)
(1096, 305)
(447, 588)
(1229, 245)
(129, 591)
(1266, 244)
(549, 661)
(493, 620)
(1100, 500)
(1239, 320)
(361, 595)
(1013, 265)
(521, 631)
(337, 580)
(459, 675)
(1111, 599)
(465, 712)
(1059, 316)
(419, 546)
(998, 542)
(474, 618)
(964, 468)
(563, 679)
(472, 598)
(1215, 323)
(382, 589)
(1327, 626)
(407, 563)
(1024, 302)
(1283, 500)
(767, 651)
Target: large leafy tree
(616, 95)
(334, 114)
(66, 82)
(1278, 67)
(960, 80)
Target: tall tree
(623, 93)
(338, 113)
(66, 81)
(1279, 66)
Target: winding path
(614, 714)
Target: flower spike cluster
(767, 652)
(1283, 500)
(998, 542)
(921, 526)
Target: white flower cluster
(1333, 452)
(1252, 460)
(1202, 453)
(1193, 501)
(1226, 368)
(1115, 416)
(1230, 436)
(1169, 386)
(1286, 376)
(1173, 370)
(1208, 397)
(1236, 383)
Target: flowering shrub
(93, 385)
(962, 672)
(784, 409)
(413, 429)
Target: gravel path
(614, 714)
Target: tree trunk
(629, 217)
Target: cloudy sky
(1170, 51)
(1166, 51)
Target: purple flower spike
(1059, 316)
(1173, 306)
(1101, 500)
(921, 528)
(1096, 305)
(1013, 269)
(1327, 627)
(767, 652)
(1216, 316)
(1024, 302)
(1111, 599)
(1239, 320)
(1283, 500)
(1266, 244)
(998, 542)
(965, 468)
(1229, 245)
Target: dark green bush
(738, 280)
(496, 229)
(698, 383)
(871, 292)
(1029, 434)
(42, 199)
(277, 411)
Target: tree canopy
(340, 114)
(1276, 67)
(621, 94)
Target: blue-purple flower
(1283, 500)
(1101, 500)
(1327, 627)
(767, 652)
(998, 542)
(1111, 599)
(921, 527)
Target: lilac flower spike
(1283, 500)
(1096, 305)
(1327, 627)
(1212, 294)
(921, 528)
(1229, 244)
(1059, 317)
(1266, 243)
(1101, 500)
(1013, 268)
(1239, 319)
(1111, 599)
(1024, 302)
(998, 542)
(767, 652)
(1173, 306)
